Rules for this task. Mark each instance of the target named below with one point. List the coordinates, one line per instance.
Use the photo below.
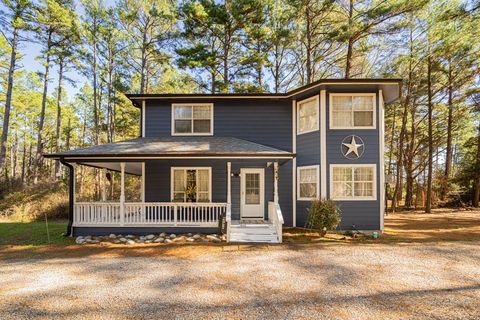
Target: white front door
(252, 192)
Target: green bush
(323, 215)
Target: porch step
(260, 233)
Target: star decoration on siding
(352, 147)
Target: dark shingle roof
(176, 146)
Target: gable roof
(390, 87)
(166, 147)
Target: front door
(252, 193)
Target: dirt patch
(440, 225)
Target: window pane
(363, 189)
(342, 118)
(183, 126)
(202, 197)
(364, 174)
(363, 118)
(178, 180)
(201, 112)
(203, 180)
(252, 188)
(342, 189)
(308, 175)
(183, 112)
(342, 103)
(363, 103)
(179, 197)
(201, 126)
(342, 174)
(308, 117)
(308, 190)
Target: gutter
(71, 180)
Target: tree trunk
(38, 155)
(96, 112)
(428, 206)
(59, 118)
(8, 98)
(448, 158)
(476, 195)
(348, 62)
(308, 47)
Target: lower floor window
(307, 182)
(191, 184)
(353, 182)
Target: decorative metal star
(353, 147)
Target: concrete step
(254, 238)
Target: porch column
(122, 194)
(142, 190)
(103, 184)
(275, 182)
(229, 182)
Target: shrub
(323, 215)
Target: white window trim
(317, 167)
(298, 114)
(172, 169)
(191, 105)
(330, 107)
(354, 198)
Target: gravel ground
(323, 281)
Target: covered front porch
(222, 194)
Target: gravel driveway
(323, 281)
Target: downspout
(69, 232)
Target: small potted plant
(323, 215)
(191, 192)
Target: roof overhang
(391, 90)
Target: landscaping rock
(168, 241)
(150, 237)
(80, 240)
(116, 241)
(197, 236)
(111, 236)
(123, 240)
(130, 241)
(180, 239)
(189, 234)
(130, 236)
(173, 236)
(190, 239)
(148, 241)
(213, 238)
(158, 240)
(87, 237)
(162, 235)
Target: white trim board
(294, 163)
(323, 144)
(144, 109)
(353, 127)
(381, 129)
(299, 168)
(243, 205)
(172, 119)
(353, 198)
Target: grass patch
(33, 233)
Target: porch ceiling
(186, 147)
(134, 168)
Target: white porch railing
(148, 214)
(276, 217)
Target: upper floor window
(353, 182)
(192, 119)
(307, 115)
(352, 111)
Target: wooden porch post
(143, 182)
(229, 182)
(122, 194)
(103, 184)
(275, 182)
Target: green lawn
(33, 233)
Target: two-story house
(253, 162)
